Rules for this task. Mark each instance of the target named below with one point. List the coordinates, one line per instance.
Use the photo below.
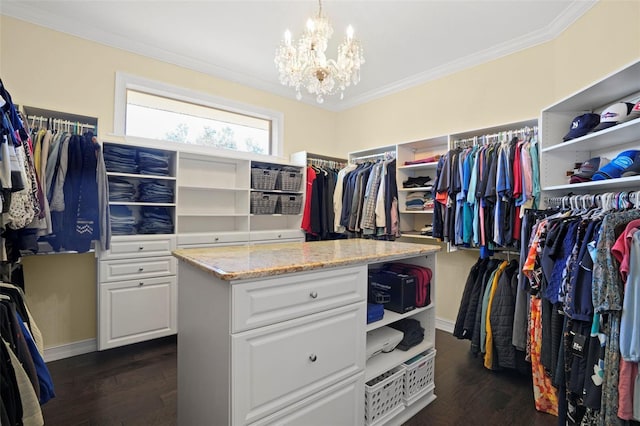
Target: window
(158, 111)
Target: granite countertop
(265, 260)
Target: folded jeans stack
(121, 189)
(120, 159)
(155, 220)
(122, 221)
(155, 192)
(153, 163)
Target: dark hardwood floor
(136, 385)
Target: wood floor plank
(136, 385)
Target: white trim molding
(70, 349)
(445, 325)
(574, 11)
(31, 13)
(124, 81)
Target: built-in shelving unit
(559, 157)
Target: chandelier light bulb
(349, 33)
(305, 63)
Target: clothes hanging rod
(325, 158)
(391, 154)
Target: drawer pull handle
(279, 235)
(141, 248)
(216, 239)
(140, 283)
(313, 294)
(140, 269)
(313, 357)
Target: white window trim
(125, 81)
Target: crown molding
(574, 11)
(26, 12)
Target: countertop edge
(301, 267)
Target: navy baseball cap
(617, 166)
(581, 125)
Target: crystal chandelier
(305, 64)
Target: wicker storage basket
(263, 178)
(289, 180)
(263, 203)
(289, 204)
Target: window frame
(125, 81)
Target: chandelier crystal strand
(305, 65)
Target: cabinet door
(135, 311)
(339, 405)
(279, 365)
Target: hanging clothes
(57, 190)
(26, 382)
(482, 190)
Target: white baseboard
(445, 325)
(70, 349)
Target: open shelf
(619, 183)
(140, 176)
(419, 166)
(391, 317)
(607, 138)
(386, 361)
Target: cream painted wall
(513, 88)
(52, 70)
(49, 69)
(61, 294)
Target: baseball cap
(634, 113)
(581, 125)
(614, 169)
(587, 170)
(614, 114)
(633, 169)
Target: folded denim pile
(122, 221)
(121, 189)
(155, 220)
(155, 192)
(417, 201)
(120, 159)
(153, 163)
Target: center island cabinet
(277, 333)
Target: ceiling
(405, 42)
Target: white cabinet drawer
(338, 405)
(269, 301)
(276, 366)
(135, 311)
(118, 270)
(211, 239)
(141, 246)
(279, 234)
